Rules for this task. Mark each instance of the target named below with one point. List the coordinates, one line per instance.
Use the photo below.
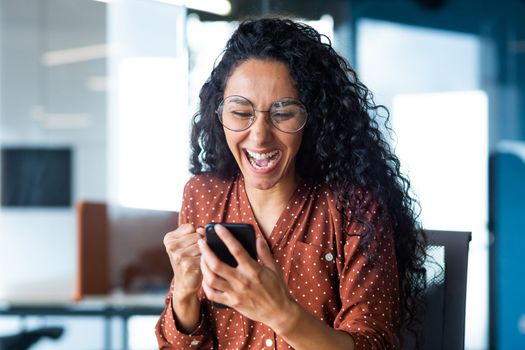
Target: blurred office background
(96, 99)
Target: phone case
(244, 233)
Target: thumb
(201, 232)
(264, 253)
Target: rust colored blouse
(322, 264)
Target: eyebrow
(244, 101)
(288, 101)
(239, 99)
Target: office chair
(24, 340)
(445, 296)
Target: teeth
(259, 156)
(254, 157)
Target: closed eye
(280, 116)
(240, 114)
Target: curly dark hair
(342, 142)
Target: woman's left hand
(254, 289)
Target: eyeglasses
(237, 113)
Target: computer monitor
(36, 177)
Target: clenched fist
(183, 251)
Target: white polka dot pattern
(323, 265)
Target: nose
(262, 129)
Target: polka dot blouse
(322, 264)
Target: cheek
(232, 139)
(295, 143)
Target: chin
(259, 184)
(259, 181)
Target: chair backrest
(92, 277)
(121, 248)
(445, 297)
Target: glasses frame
(254, 116)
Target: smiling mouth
(262, 161)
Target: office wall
(43, 104)
(508, 261)
(499, 24)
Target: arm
(369, 299)
(187, 312)
(369, 285)
(303, 332)
(171, 335)
(181, 246)
(182, 324)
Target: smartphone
(244, 233)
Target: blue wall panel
(509, 252)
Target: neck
(267, 205)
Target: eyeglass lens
(237, 113)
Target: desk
(122, 307)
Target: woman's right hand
(183, 251)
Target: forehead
(261, 81)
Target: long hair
(342, 143)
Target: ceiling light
(73, 55)
(61, 120)
(97, 83)
(218, 7)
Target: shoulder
(205, 180)
(207, 187)
(204, 197)
(357, 208)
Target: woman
(286, 140)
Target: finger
(234, 246)
(179, 250)
(212, 294)
(173, 244)
(181, 231)
(214, 263)
(190, 251)
(183, 258)
(185, 229)
(214, 281)
(187, 240)
(264, 253)
(201, 231)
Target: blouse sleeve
(168, 336)
(369, 287)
